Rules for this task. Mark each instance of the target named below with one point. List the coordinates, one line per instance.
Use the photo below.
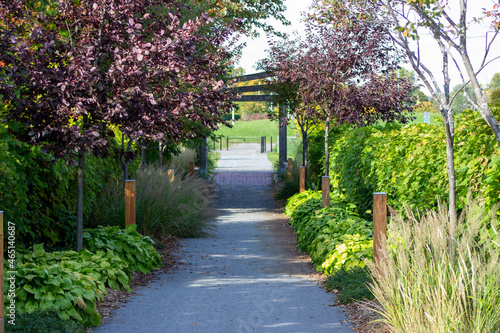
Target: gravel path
(248, 277)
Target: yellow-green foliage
(70, 282)
(409, 163)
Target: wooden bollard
(325, 188)
(2, 311)
(290, 167)
(191, 168)
(302, 183)
(379, 226)
(129, 202)
(170, 175)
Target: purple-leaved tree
(342, 74)
(75, 68)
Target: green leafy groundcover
(335, 237)
(71, 283)
(137, 251)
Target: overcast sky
(256, 48)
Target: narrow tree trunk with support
(327, 137)
(305, 147)
(160, 153)
(125, 160)
(79, 201)
(450, 158)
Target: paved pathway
(248, 277)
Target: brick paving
(243, 178)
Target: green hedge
(409, 163)
(38, 192)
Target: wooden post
(290, 167)
(227, 142)
(271, 143)
(302, 185)
(325, 187)
(220, 141)
(2, 311)
(379, 226)
(262, 144)
(171, 175)
(191, 168)
(129, 202)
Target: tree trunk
(125, 161)
(305, 147)
(79, 201)
(450, 158)
(143, 154)
(483, 108)
(160, 151)
(327, 154)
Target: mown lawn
(254, 128)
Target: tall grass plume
(432, 281)
(180, 207)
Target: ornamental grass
(431, 281)
(180, 207)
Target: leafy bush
(335, 237)
(179, 207)
(298, 199)
(136, 251)
(434, 281)
(351, 251)
(43, 322)
(352, 285)
(105, 266)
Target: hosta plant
(137, 251)
(48, 284)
